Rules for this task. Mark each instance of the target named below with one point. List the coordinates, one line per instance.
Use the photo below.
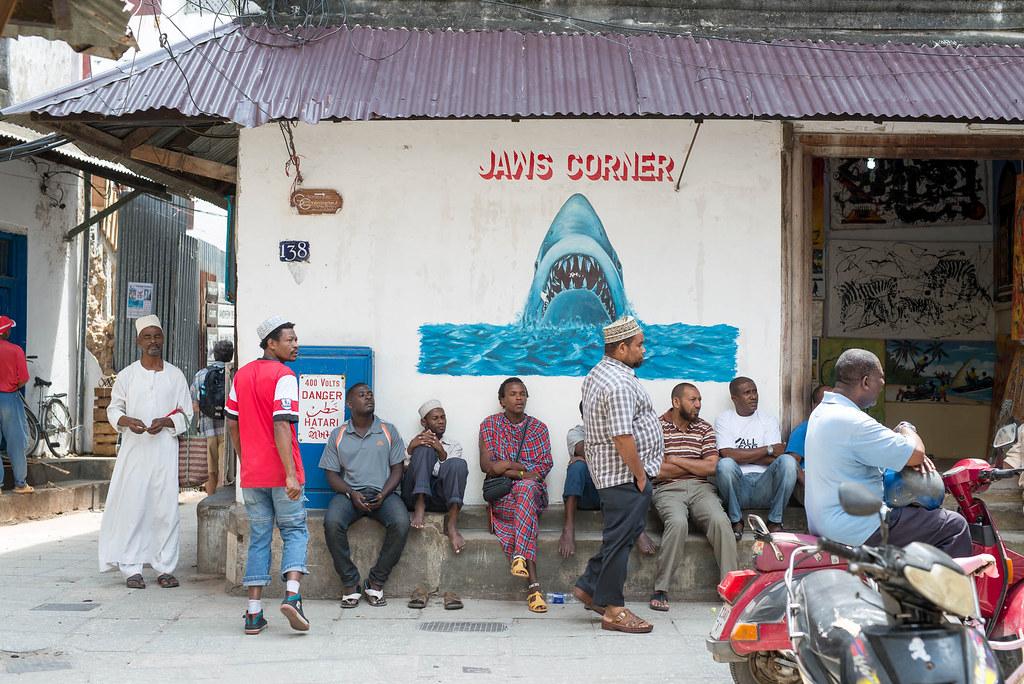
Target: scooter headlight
(949, 589)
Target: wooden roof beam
(176, 161)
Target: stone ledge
(46, 502)
(480, 571)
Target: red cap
(6, 324)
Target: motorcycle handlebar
(852, 553)
(1002, 473)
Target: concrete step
(481, 570)
(553, 517)
(50, 500)
(44, 470)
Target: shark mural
(577, 288)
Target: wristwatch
(770, 450)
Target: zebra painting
(912, 290)
(961, 271)
(876, 299)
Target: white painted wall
(37, 65)
(53, 270)
(423, 239)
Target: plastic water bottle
(556, 598)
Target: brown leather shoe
(775, 527)
(737, 529)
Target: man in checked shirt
(624, 448)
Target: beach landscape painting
(943, 372)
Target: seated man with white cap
(435, 481)
(150, 405)
(13, 424)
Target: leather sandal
(451, 601)
(535, 600)
(375, 597)
(518, 567)
(419, 598)
(587, 600)
(351, 600)
(135, 582)
(626, 622)
(659, 601)
(167, 581)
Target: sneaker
(254, 623)
(291, 608)
(24, 489)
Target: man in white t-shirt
(753, 470)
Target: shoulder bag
(497, 487)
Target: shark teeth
(578, 272)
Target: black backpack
(211, 394)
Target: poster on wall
(1017, 325)
(912, 290)
(939, 372)
(140, 300)
(321, 406)
(908, 193)
(829, 349)
(577, 286)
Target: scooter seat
(981, 564)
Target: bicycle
(52, 420)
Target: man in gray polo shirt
(363, 460)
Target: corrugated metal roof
(252, 75)
(19, 134)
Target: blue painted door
(356, 364)
(14, 284)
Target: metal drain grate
(447, 626)
(67, 607)
(27, 665)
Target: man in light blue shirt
(844, 444)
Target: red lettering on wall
(518, 165)
(574, 166)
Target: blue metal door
(356, 365)
(13, 283)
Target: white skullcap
(270, 325)
(622, 329)
(429, 406)
(146, 322)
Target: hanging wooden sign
(316, 201)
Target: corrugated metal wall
(153, 248)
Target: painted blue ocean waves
(675, 351)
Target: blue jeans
(14, 427)
(263, 506)
(578, 483)
(770, 489)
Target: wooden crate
(102, 392)
(104, 450)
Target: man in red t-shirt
(261, 411)
(13, 424)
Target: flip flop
(659, 601)
(587, 600)
(375, 597)
(167, 581)
(535, 600)
(518, 568)
(626, 622)
(350, 600)
(452, 601)
(135, 582)
(419, 598)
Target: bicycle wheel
(57, 427)
(33, 432)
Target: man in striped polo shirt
(682, 491)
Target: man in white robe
(150, 405)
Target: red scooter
(751, 633)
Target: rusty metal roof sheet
(252, 75)
(95, 27)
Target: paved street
(100, 631)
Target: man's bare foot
(456, 538)
(567, 544)
(416, 521)
(646, 545)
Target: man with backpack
(208, 404)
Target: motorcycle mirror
(856, 499)
(1005, 436)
